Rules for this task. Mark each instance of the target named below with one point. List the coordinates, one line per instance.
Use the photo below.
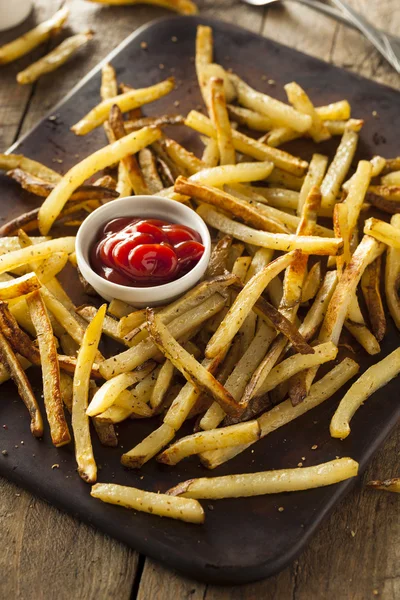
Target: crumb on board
(281, 509)
(174, 39)
(4, 452)
(143, 45)
(314, 447)
(55, 466)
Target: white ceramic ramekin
(148, 207)
(12, 13)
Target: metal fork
(388, 45)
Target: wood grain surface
(47, 554)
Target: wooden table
(47, 554)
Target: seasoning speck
(55, 466)
(161, 66)
(174, 38)
(353, 533)
(271, 82)
(176, 103)
(374, 113)
(4, 452)
(314, 447)
(143, 45)
(281, 509)
(300, 464)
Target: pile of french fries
(241, 352)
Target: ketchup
(145, 252)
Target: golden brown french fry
(220, 120)
(250, 118)
(40, 251)
(66, 387)
(275, 241)
(87, 467)
(148, 166)
(339, 127)
(214, 439)
(384, 232)
(244, 303)
(185, 7)
(105, 432)
(18, 339)
(315, 315)
(314, 177)
(104, 157)
(249, 146)
(388, 485)
(191, 369)
(282, 114)
(146, 349)
(210, 156)
(125, 102)
(54, 59)
(156, 504)
(392, 277)
(14, 369)
(342, 230)
(218, 264)
(338, 168)
(118, 309)
(33, 38)
(335, 111)
(370, 285)
(279, 135)
(149, 447)
(204, 57)
(312, 283)
(356, 192)
(230, 174)
(302, 103)
(371, 380)
(19, 287)
(108, 393)
(10, 162)
(226, 202)
(267, 482)
(391, 178)
(162, 384)
(186, 161)
(50, 370)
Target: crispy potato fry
(229, 174)
(314, 177)
(218, 263)
(33, 38)
(338, 168)
(335, 111)
(39, 251)
(342, 230)
(184, 7)
(392, 277)
(388, 485)
(162, 384)
(191, 369)
(339, 127)
(54, 59)
(312, 283)
(14, 369)
(284, 412)
(220, 120)
(214, 439)
(210, 156)
(110, 325)
(148, 166)
(204, 57)
(370, 285)
(371, 380)
(302, 103)
(244, 303)
(278, 136)
(315, 315)
(282, 114)
(146, 349)
(125, 102)
(116, 123)
(250, 119)
(50, 370)
(185, 160)
(105, 432)
(356, 193)
(124, 187)
(391, 179)
(267, 482)
(282, 178)
(18, 339)
(149, 447)
(226, 202)
(66, 387)
(19, 287)
(160, 121)
(275, 241)
(249, 146)
(389, 193)
(104, 157)
(384, 232)
(107, 394)
(118, 309)
(149, 502)
(87, 467)
(10, 162)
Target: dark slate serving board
(245, 539)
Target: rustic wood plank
(48, 554)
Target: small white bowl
(13, 13)
(153, 207)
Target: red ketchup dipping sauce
(145, 252)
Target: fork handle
(327, 10)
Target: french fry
(356, 193)
(146, 349)
(104, 157)
(162, 384)
(160, 121)
(124, 187)
(54, 59)
(185, 160)
(40, 251)
(11, 162)
(66, 387)
(110, 325)
(125, 102)
(244, 303)
(279, 135)
(341, 227)
(14, 370)
(50, 370)
(392, 276)
(19, 287)
(312, 283)
(282, 114)
(214, 439)
(370, 285)
(149, 447)
(149, 502)
(335, 111)
(250, 118)
(388, 485)
(185, 7)
(275, 241)
(218, 263)
(282, 178)
(302, 103)
(281, 198)
(249, 146)
(339, 127)
(33, 38)
(116, 123)
(285, 412)
(315, 315)
(105, 432)
(229, 174)
(148, 166)
(220, 120)
(228, 203)
(370, 381)
(18, 339)
(87, 467)
(107, 394)
(384, 232)
(210, 156)
(314, 177)
(204, 57)
(338, 168)
(267, 482)
(392, 178)
(118, 309)
(191, 369)
(386, 192)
